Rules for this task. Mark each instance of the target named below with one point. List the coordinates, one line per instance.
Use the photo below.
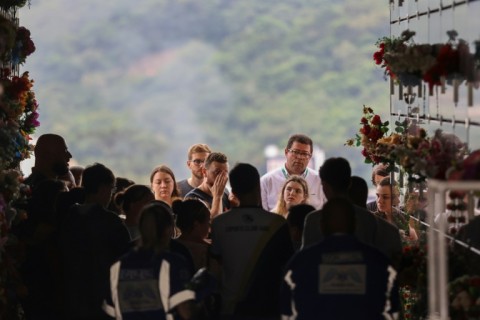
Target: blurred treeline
(133, 84)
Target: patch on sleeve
(342, 279)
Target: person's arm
(217, 191)
(264, 191)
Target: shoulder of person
(271, 174)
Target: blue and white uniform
(339, 278)
(145, 285)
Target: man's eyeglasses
(299, 154)
(198, 162)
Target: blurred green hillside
(133, 84)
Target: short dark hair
(95, 176)
(188, 212)
(337, 173)
(301, 138)
(155, 218)
(244, 178)
(358, 191)
(338, 215)
(215, 157)
(131, 194)
(379, 170)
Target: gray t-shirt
(253, 245)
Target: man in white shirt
(298, 153)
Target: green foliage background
(133, 84)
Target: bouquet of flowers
(402, 59)
(409, 147)
(409, 63)
(372, 129)
(23, 47)
(8, 4)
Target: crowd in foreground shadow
(293, 243)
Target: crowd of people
(292, 244)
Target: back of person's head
(188, 212)
(95, 176)
(337, 173)
(379, 170)
(297, 214)
(215, 157)
(358, 191)
(244, 179)
(156, 224)
(131, 194)
(300, 138)
(387, 182)
(338, 216)
(198, 148)
(122, 183)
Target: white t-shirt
(273, 181)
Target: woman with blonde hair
(294, 191)
(164, 185)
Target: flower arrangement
(409, 147)
(23, 47)
(402, 59)
(409, 63)
(8, 4)
(412, 278)
(372, 129)
(464, 295)
(18, 118)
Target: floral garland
(18, 118)
(9, 4)
(409, 63)
(23, 47)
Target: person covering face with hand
(213, 188)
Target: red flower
(378, 57)
(365, 153)
(375, 134)
(365, 130)
(363, 120)
(376, 120)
